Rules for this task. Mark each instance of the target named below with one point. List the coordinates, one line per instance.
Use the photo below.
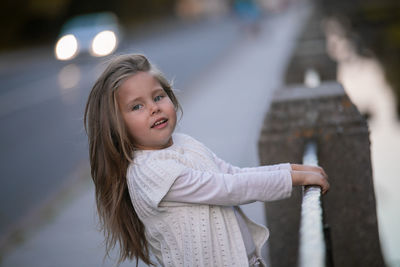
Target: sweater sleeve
(226, 167)
(199, 187)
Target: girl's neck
(150, 148)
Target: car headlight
(104, 43)
(66, 47)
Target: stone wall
(326, 115)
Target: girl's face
(148, 113)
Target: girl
(166, 191)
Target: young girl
(164, 191)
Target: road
(43, 144)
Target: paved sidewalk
(224, 109)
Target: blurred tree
(26, 22)
(30, 22)
(374, 28)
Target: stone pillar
(326, 115)
(310, 53)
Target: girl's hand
(311, 178)
(301, 167)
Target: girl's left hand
(301, 167)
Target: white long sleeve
(226, 167)
(225, 189)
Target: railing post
(324, 114)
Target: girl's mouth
(160, 124)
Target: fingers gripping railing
(312, 248)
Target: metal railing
(312, 246)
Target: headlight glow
(104, 43)
(66, 47)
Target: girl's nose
(154, 109)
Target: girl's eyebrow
(158, 89)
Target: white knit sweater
(190, 234)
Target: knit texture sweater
(196, 234)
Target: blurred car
(97, 33)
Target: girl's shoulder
(182, 143)
(174, 152)
(185, 140)
(156, 163)
(141, 157)
(181, 138)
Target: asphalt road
(42, 137)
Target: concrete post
(310, 53)
(324, 114)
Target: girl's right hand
(310, 178)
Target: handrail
(312, 249)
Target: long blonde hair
(111, 152)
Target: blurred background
(51, 51)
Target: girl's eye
(137, 107)
(158, 98)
